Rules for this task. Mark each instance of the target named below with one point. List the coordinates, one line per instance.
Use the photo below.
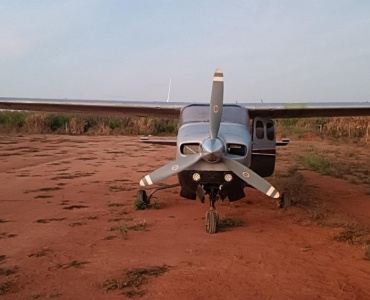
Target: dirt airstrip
(69, 230)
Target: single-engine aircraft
(220, 148)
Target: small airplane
(220, 148)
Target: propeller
(170, 169)
(251, 178)
(212, 149)
(215, 109)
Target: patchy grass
(73, 176)
(35, 295)
(4, 235)
(115, 188)
(133, 280)
(43, 196)
(115, 220)
(323, 163)
(48, 189)
(7, 272)
(6, 287)
(140, 204)
(75, 207)
(54, 295)
(123, 229)
(353, 234)
(41, 253)
(141, 226)
(316, 162)
(10, 154)
(229, 223)
(366, 252)
(45, 221)
(155, 205)
(72, 264)
(76, 224)
(86, 158)
(292, 184)
(110, 237)
(115, 204)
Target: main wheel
(211, 221)
(284, 201)
(142, 200)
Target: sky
(278, 51)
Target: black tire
(142, 200)
(211, 221)
(284, 201)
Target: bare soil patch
(316, 249)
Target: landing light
(196, 176)
(228, 177)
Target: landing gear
(212, 218)
(284, 201)
(212, 215)
(142, 197)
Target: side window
(270, 131)
(260, 132)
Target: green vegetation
(13, 118)
(123, 229)
(317, 162)
(133, 279)
(4, 235)
(353, 128)
(155, 205)
(45, 221)
(327, 163)
(140, 204)
(41, 253)
(36, 122)
(229, 222)
(6, 287)
(75, 207)
(48, 189)
(72, 264)
(354, 234)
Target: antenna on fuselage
(169, 90)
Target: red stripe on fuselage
(264, 151)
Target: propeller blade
(251, 178)
(215, 108)
(170, 169)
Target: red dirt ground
(272, 256)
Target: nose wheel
(212, 215)
(212, 218)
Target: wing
(307, 110)
(158, 142)
(172, 109)
(138, 109)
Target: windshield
(200, 113)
